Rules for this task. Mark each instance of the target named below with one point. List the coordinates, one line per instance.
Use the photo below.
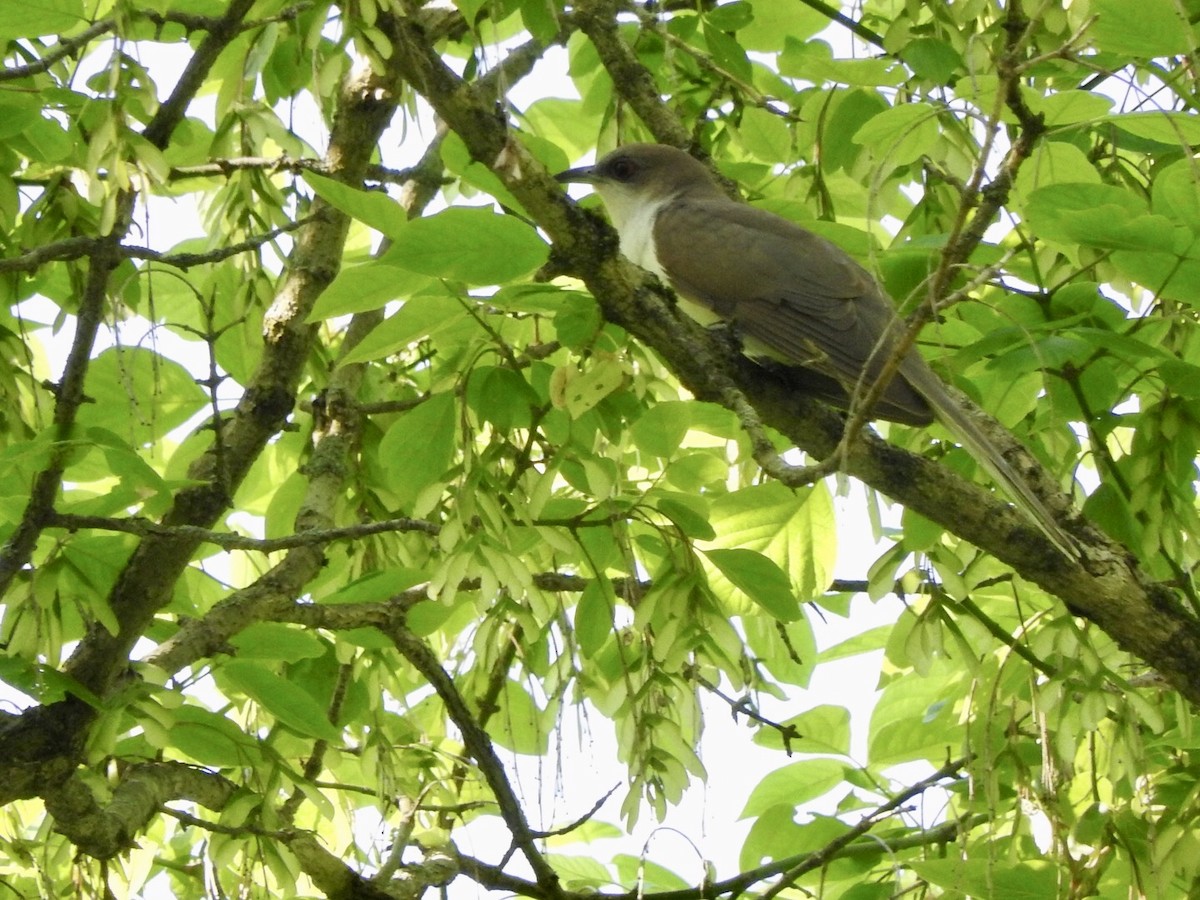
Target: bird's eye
(624, 169)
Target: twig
(567, 829)
(64, 48)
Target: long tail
(954, 417)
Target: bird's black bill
(582, 175)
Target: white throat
(633, 217)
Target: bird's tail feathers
(952, 414)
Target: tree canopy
(346, 464)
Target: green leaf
(290, 704)
(541, 18)
(776, 21)
(578, 391)
(649, 875)
(765, 135)
(1147, 28)
(501, 396)
(728, 53)
(518, 723)
(822, 729)
(274, 640)
(1035, 880)
(932, 59)
(139, 395)
(760, 579)
(793, 785)
(364, 288)
(373, 208)
(471, 245)
(796, 529)
(775, 836)
(813, 60)
(208, 738)
(912, 718)
(1069, 107)
(1170, 128)
(594, 616)
(419, 318)
(662, 427)
(688, 513)
(382, 584)
(1176, 193)
(901, 134)
(1098, 215)
(730, 16)
(419, 447)
(33, 18)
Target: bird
(788, 294)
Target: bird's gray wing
(786, 289)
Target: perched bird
(789, 294)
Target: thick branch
(104, 831)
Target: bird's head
(639, 175)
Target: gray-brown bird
(789, 294)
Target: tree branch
(229, 541)
(104, 831)
(479, 746)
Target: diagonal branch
(1144, 617)
(479, 746)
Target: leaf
(209, 739)
(910, 720)
(471, 245)
(902, 134)
(420, 318)
(765, 135)
(932, 59)
(1172, 129)
(822, 729)
(518, 723)
(376, 586)
(1095, 214)
(1147, 28)
(33, 18)
(501, 396)
(373, 208)
(274, 640)
(594, 616)
(662, 427)
(364, 288)
(794, 528)
(688, 513)
(578, 391)
(814, 60)
(1034, 880)
(794, 785)
(419, 447)
(290, 704)
(139, 395)
(776, 22)
(760, 579)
